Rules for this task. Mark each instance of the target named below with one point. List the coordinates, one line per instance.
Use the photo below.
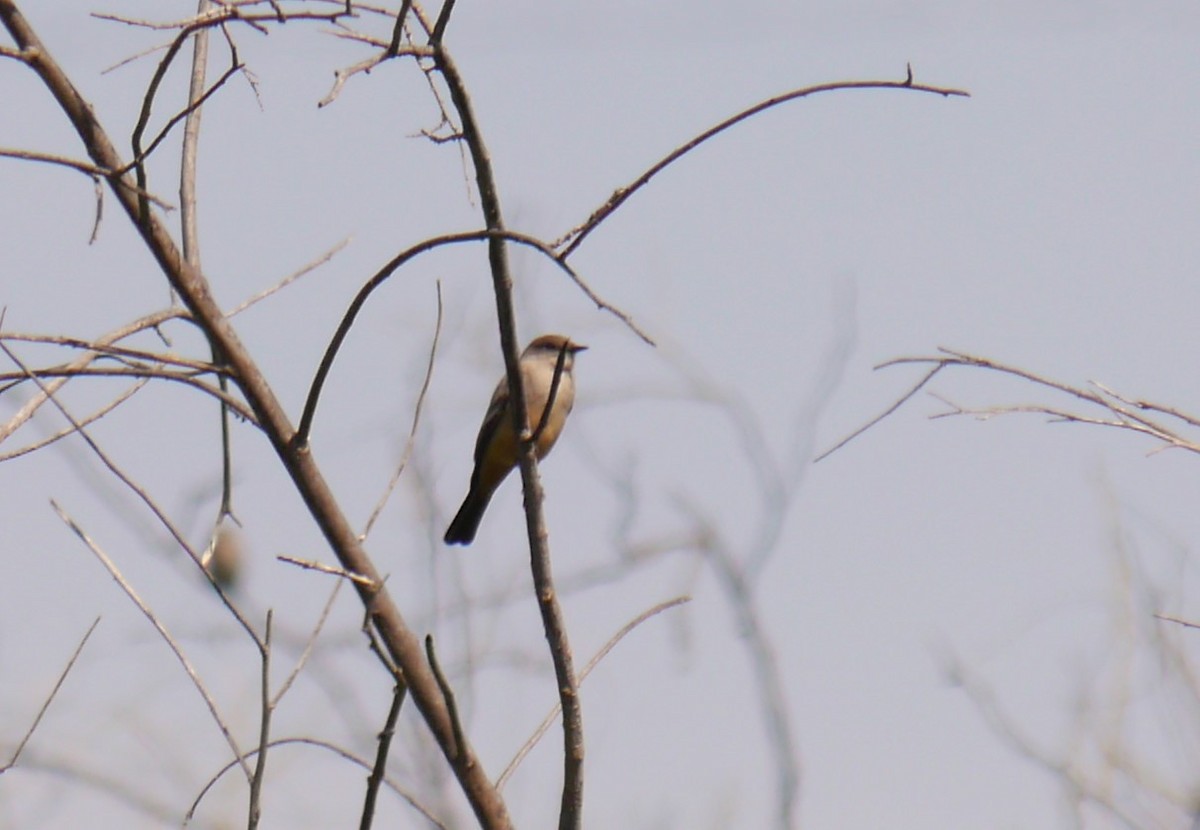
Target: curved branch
(326, 745)
(574, 237)
(304, 430)
(76, 164)
(238, 406)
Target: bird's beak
(578, 347)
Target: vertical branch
(190, 227)
(401, 642)
(264, 734)
(375, 779)
(191, 145)
(539, 550)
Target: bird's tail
(466, 521)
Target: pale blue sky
(1049, 221)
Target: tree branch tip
(310, 565)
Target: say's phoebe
(496, 447)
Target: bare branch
(12, 762)
(135, 358)
(341, 76)
(1117, 411)
(149, 614)
(398, 28)
(547, 721)
(182, 114)
(559, 364)
(573, 238)
(903, 399)
(330, 747)
(70, 429)
(1177, 620)
(139, 491)
(304, 430)
(443, 19)
(27, 411)
(358, 579)
(264, 730)
(447, 691)
(82, 166)
(141, 372)
(740, 594)
(416, 421)
(375, 779)
(290, 278)
(553, 624)
(309, 645)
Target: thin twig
(1127, 416)
(181, 115)
(83, 167)
(547, 721)
(341, 76)
(447, 692)
(149, 614)
(400, 640)
(187, 379)
(329, 569)
(264, 730)
(27, 411)
(290, 278)
(12, 762)
(123, 354)
(739, 593)
(138, 490)
(379, 768)
(303, 431)
(903, 399)
(309, 645)
(416, 421)
(573, 238)
(341, 752)
(553, 622)
(70, 428)
(1177, 620)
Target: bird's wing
(492, 420)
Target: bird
(496, 448)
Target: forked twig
(1133, 415)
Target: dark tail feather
(466, 521)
